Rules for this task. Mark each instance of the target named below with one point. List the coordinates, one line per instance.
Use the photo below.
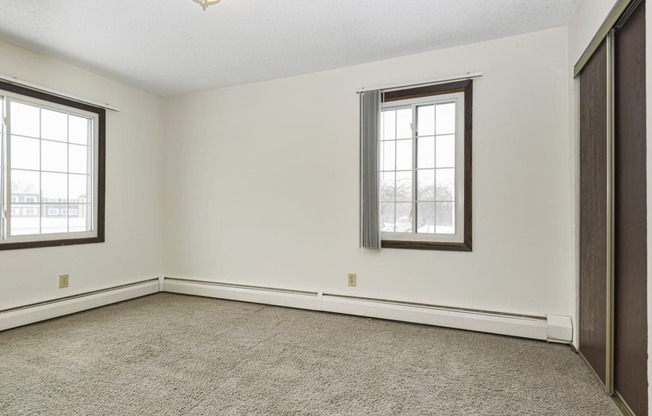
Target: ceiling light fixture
(205, 3)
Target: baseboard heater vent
(28, 314)
(552, 328)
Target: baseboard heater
(552, 328)
(23, 315)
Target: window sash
(458, 236)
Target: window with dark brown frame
(52, 170)
(425, 141)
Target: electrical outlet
(353, 280)
(64, 280)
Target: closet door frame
(590, 139)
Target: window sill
(427, 245)
(50, 243)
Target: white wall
(132, 250)
(588, 17)
(262, 185)
(585, 22)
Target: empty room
(375, 207)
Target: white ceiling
(171, 47)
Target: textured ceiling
(171, 47)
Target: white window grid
(458, 198)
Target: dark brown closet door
(593, 211)
(630, 236)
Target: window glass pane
(54, 125)
(78, 159)
(27, 221)
(425, 217)
(403, 154)
(403, 218)
(25, 153)
(387, 186)
(387, 217)
(426, 152)
(426, 185)
(79, 188)
(446, 151)
(54, 156)
(54, 219)
(445, 184)
(25, 186)
(79, 217)
(389, 125)
(445, 218)
(446, 118)
(404, 123)
(426, 120)
(404, 186)
(78, 130)
(54, 187)
(387, 157)
(24, 119)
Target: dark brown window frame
(465, 87)
(101, 168)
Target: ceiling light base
(205, 3)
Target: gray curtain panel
(370, 205)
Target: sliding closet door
(593, 212)
(630, 232)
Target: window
(52, 156)
(423, 167)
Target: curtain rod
(40, 88)
(468, 75)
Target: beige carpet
(177, 355)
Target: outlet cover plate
(64, 280)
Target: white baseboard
(552, 328)
(560, 329)
(29, 314)
(254, 294)
(526, 327)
